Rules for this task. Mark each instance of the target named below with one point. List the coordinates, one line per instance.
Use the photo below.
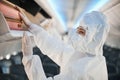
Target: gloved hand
(23, 16)
(27, 47)
(25, 19)
(27, 22)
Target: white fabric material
(34, 73)
(29, 59)
(27, 45)
(88, 63)
(96, 31)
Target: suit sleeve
(53, 47)
(33, 68)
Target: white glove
(27, 47)
(27, 22)
(25, 19)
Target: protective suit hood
(96, 28)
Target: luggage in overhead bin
(15, 25)
(11, 14)
(9, 10)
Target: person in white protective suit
(81, 59)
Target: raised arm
(51, 46)
(32, 63)
(54, 48)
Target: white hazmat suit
(82, 59)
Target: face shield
(96, 30)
